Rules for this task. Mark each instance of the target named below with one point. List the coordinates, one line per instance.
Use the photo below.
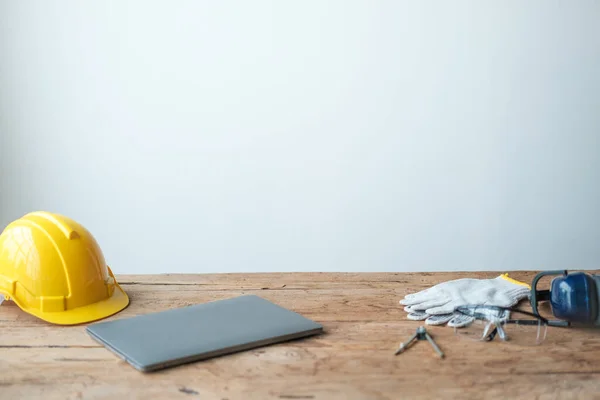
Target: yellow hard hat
(52, 267)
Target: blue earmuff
(574, 298)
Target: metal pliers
(420, 334)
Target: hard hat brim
(93, 312)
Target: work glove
(454, 320)
(441, 300)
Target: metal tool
(420, 334)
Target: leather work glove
(441, 300)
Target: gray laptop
(168, 338)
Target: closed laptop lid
(173, 337)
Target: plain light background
(225, 136)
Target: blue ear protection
(574, 298)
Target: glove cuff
(511, 280)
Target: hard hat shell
(53, 268)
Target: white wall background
(322, 135)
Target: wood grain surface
(353, 359)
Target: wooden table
(354, 359)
